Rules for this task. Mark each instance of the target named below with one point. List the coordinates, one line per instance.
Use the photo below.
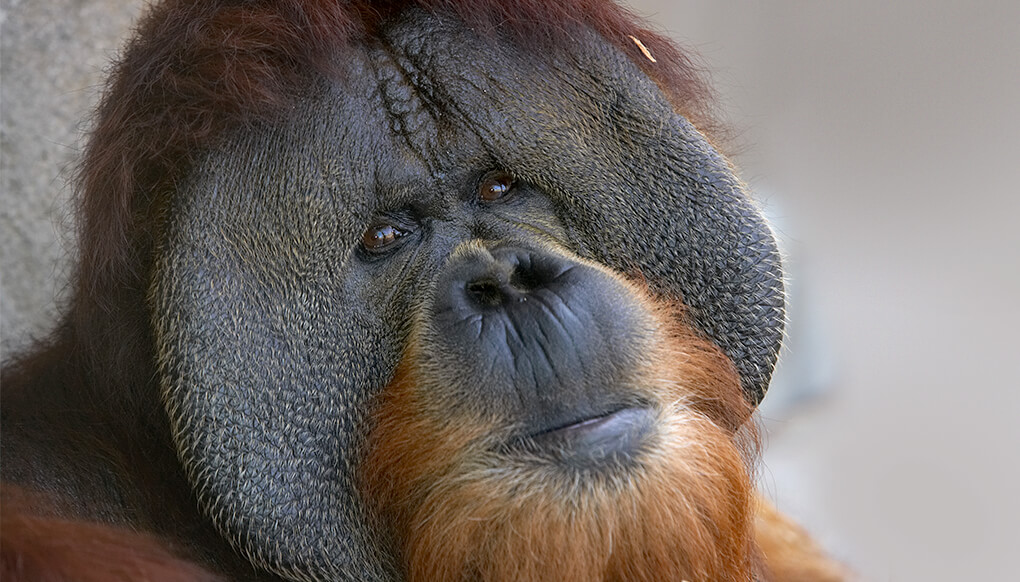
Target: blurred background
(882, 138)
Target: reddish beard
(459, 507)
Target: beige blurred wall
(885, 139)
(52, 57)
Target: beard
(459, 506)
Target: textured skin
(259, 263)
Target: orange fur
(459, 509)
(38, 547)
(791, 554)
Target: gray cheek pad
(269, 356)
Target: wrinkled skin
(276, 329)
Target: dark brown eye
(380, 236)
(494, 186)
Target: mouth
(614, 437)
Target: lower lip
(614, 437)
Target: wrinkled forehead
(441, 80)
(429, 100)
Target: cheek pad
(269, 361)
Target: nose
(543, 332)
(507, 276)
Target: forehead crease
(412, 114)
(501, 96)
(452, 93)
(420, 111)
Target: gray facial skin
(276, 329)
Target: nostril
(525, 279)
(488, 292)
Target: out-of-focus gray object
(53, 54)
